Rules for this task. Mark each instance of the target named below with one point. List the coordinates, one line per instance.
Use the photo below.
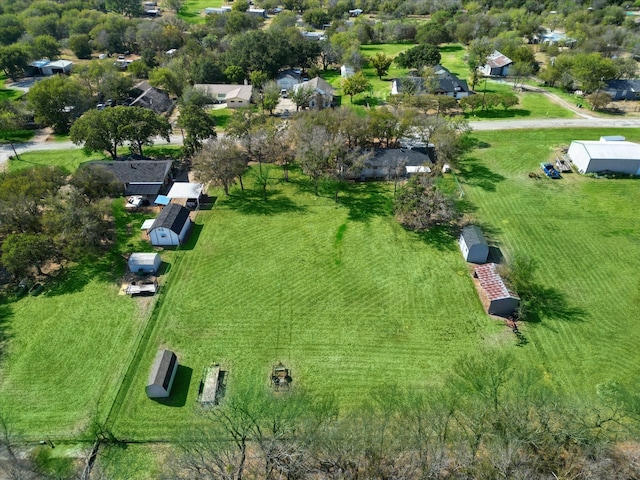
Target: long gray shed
(473, 245)
(163, 372)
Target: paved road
(592, 122)
(39, 143)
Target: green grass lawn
(532, 104)
(192, 11)
(221, 116)
(583, 233)
(65, 159)
(68, 348)
(339, 292)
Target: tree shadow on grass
(550, 304)
(107, 268)
(180, 388)
(475, 173)
(251, 202)
(450, 48)
(441, 237)
(366, 200)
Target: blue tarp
(162, 200)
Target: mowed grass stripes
(348, 304)
(585, 235)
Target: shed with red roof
(501, 301)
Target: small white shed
(144, 262)
(163, 372)
(473, 245)
(171, 226)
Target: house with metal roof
(51, 67)
(170, 227)
(500, 300)
(286, 79)
(473, 245)
(591, 156)
(497, 65)
(162, 375)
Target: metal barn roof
(615, 150)
(473, 236)
(492, 283)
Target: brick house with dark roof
(139, 177)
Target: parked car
(549, 170)
(136, 201)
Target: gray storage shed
(171, 226)
(144, 262)
(502, 302)
(473, 245)
(162, 374)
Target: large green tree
(423, 55)
(220, 162)
(13, 60)
(198, 125)
(57, 101)
(106, 130)
(381, 63)
(355, 84)
(24, 252)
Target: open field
(340, 293)
(582, 232)
(192, 10)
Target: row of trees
(327, 143)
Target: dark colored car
(549, 170)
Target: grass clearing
(322, 287)
(193, 10)
(221, 116)
(68, 160)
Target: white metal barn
(144, 262)
(163, 372)
(598, 156)
(473, 245)
(171, 226)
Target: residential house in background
(286, 79)
(323, 93)
(234, 95)
(497, 65)
(150, 97)
(623, 89)
(444, 83)
(387, 163)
